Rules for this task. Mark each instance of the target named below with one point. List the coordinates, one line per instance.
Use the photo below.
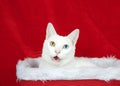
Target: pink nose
(57, 51)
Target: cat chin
(61, 61)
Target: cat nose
(57, 51)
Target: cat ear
(74, 36)
(50, 30)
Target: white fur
(107, 68)
(66, 55)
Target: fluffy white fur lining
(108, 68)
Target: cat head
(59, 50)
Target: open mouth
(56, 58)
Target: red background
(23, 24)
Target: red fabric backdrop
(23, 24)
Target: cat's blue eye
(65, 46)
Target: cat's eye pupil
(52, 43)
(65, 46)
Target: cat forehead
(61, 39)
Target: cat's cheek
(51, 50)
(63, 55)
(67, 51)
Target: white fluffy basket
(107, 69)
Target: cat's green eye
(52, 43)
(65, 46)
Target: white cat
(58, 51)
